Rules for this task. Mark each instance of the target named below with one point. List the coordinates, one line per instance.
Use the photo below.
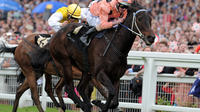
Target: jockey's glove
(117, 21)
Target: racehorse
(105, 68)
(21, 56)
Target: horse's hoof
(64, 108)
(97, 102)
(89, 105)
(60, 110)
(106, 110)
(78, 106)
(113, 105)
(86, 108)
(102, 106)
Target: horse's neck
(124, 40)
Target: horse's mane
(135, 4)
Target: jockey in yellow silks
(64, 15)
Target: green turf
(8, 108)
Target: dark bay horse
(105, 69)
(21, 56)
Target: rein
(139, 33)
(116, 51)
(109, 43)
(134, 23)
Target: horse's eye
(140, 19)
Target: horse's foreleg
(100, 88)
(82, 86)
(69, 85)
(58, 88)
(115, 101)
(89, 89)
(104, 79)
(34, 93)
(48, 89)
(20, 90)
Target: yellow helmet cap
(74, 10)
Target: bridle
(134, 23)
(138, 33)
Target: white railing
(150, 60)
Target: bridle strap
(139, 33)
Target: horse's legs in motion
(115, 102)
(48, 89)
(111, 90)
(33, 86)
(89, 89)
(58, 89)
(20, 90)
(100, 88)
(82, 86)
(69, 84)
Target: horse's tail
(5, 49)
(39, 57)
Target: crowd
(174, 21)
(176, 24)
(16, 24)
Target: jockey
(104, 14)
(64, 15)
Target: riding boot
(84, 37)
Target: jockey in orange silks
(104, 14)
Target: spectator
(176, 22)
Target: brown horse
(105, 69)
(21, 55)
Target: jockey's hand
(121, 20)
(65, 23)
(117, 21)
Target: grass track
(8, 108)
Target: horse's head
(139, 22)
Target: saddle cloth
(42, 39)
(85, 29)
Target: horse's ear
(149, 11)
(135, 6)
(135, 3)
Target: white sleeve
(54, 21)
(84, 12)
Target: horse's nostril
(151, 39)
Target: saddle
(42, 39)
(75, 35)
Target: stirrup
(84, 40)
(85, 43)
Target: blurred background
(176, 24)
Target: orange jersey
(106, 11)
